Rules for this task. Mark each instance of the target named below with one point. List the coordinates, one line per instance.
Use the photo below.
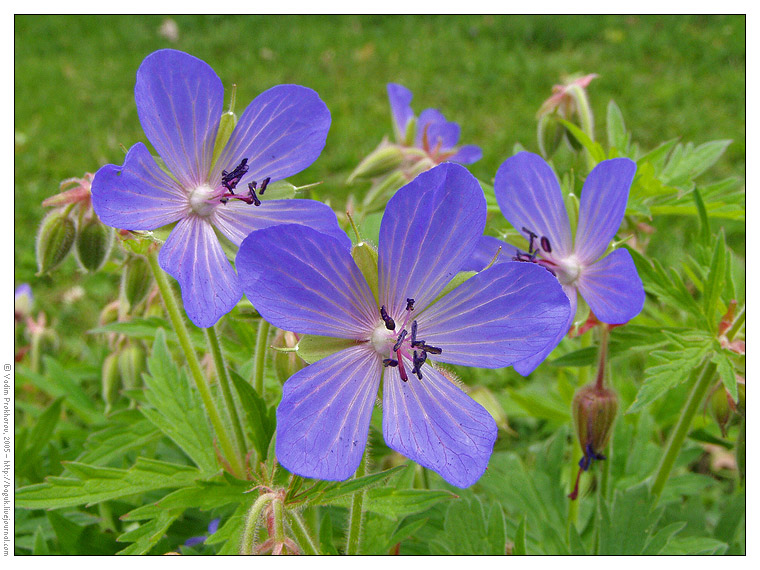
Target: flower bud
(594, 411)
(54, 240)
(93, 244)
(286, 363)
(383, 160)
(110, 380)
(720, 408)
(136, 279)
(382, 189)
(131, 365)
(550, 133)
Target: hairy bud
(93, 244)
(110, 380)
(54, 240)
(136, 279)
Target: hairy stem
(247, 544)
(301, 533)
(172, 308)
(678, 435)
(260, 356)
(355, 518)
(224, 382)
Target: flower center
(569, 269)
(201, 200)
(399, 343)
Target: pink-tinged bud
(93, 244)
(54, 240)
(594, 412)
(73, 191)
(286, 363)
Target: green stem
(678, 435)
(736, 327)
(172, 308)
(586, 118)
(301, 533)
(252, 523)
(224, 382)
(260, 356)
(279, 520)
(357, 510)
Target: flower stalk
(260, 356)
(301, 533)
(172, 308)
(248, 542)
(357, 513)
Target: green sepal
(459, 278)
(381, 161)
(411, 130)
(365, 257)
(226, 126)
(136, 280)
(280, 190)
(314, 347)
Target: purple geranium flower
(433, 133)
(179, 102)
(213, 526)
(307, 282)
(529, 196)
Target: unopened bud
(110, 380)
(286, 363)
(131, 365)
(550, 133)
(594, 412)
(720, 407)
(382, 189)
(93, 244)
(383, 160)
(136, 279)
(54, 240)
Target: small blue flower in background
(433, 134)
(23, 300)
(179, 102)
(307, 282)
(529, 196)
(195, 540)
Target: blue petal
(400, 99)
(195, 540)
(434, 423)
(498, 317)
(179, 101)
(138, 195)
(529, 196)
(528, 365)
(612, 288)
(467, 154)
(323, 418)
(429, 228)
(484, 252)
(603, 201)
(427, 119)
(194, 257)
(305, 281)
(237, 219)
(281, 132)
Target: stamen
(252, 193)
(410, 304)
(418, 361)
(428, 348)
(390, 362)
(264, 184)
(231, 179)
(532, 237)
(399, 340)
(401, 369)
(390, 324)
(545, 245)
(414, 333)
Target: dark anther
(428, 348)
(399, 340)
(390, 324)
(231, 179)
(519, 256)
(410, 304)
(264, 184)
(252, 193)
(414, 332)
(532, 237)
(545, 245)
(418, 360)
(390, 362)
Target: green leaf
(326, 541)
(581, 357)
(128, 431)
(313, 347)
(687, 162)
(148, 534)
(66, 531)
(594, 149)
(177, 410)
(627, 527)
(704, 222)
(40, 547)
(43, 430)
(662, 538)
(398, 503)
(468, 530)
(658, 156)
(617, 137)
(673, 368)
(716, 280)
(58, 381)
(261, 419)
(339, 492)
(694, 545)
(726, 373)
(91, 484)
(520, 547)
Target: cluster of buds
(568, 102)
(73, 225)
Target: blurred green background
(672, 76)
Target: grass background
(672, 76)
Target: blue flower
(433, 134)
(195, 540)
(307, 282)
(179, 102)
(529, 196)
